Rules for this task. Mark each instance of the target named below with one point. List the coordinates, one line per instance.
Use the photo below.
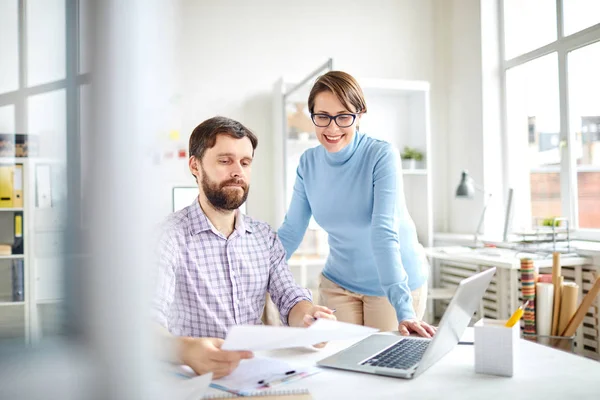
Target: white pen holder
(496, 347)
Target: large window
(551, 53)
(584, 126)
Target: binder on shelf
(18, 239)
(6, 186)
(18, 186)
(18, 281)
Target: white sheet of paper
(261, 337)
(246, 377)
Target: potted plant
(410, 157)
(551, 222)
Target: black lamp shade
(465, 188)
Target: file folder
(18, 281)
(18, 186)
(18, 243)
(6, 186)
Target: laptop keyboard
(402, 355)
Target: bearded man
(215, 264)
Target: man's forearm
(297, 313)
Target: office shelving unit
(13, 314)
(27, 321)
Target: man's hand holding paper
(313, 314)
(260, 337)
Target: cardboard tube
(582, 310)
(528, 292)
(544, 298)
(568, 304)
(556, 275)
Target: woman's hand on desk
(205, 355)
(421, 328)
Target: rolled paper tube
(545, 278)
(568, 304)
(528, 292)
(527, 279)
(544, 298)
(529, 319)
(556, 280)
(582, 309)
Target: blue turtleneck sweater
(356, 195)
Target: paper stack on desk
(261, 337)
(260, 374)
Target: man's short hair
(204, 136)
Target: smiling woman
(352, 186)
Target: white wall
(473, 116)
(464, 110)
(233, 52)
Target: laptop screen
(457, 317)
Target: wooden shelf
(12, 257)
(49, 301)
(27, 160)
(13, 160)
(11, 303)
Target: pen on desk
(282, 380)
(516, 315)
(287, 374)
(332, 311)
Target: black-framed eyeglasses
(341, 120)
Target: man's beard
(223, 198)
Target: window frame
(563, 45)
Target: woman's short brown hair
(344, 87)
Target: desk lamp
(465, 190)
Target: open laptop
(408, 357)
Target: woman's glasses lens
(342, 120)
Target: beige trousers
(374, 311)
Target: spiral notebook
(298, 394)
(262, 374)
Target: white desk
(544, 373)
(500, 258)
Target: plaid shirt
(207, 282)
